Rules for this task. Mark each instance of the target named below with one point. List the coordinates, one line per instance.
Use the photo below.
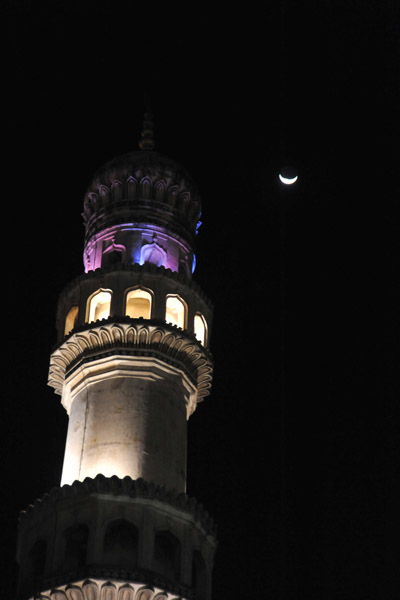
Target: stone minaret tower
(131, 364)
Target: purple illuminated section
(129, 243)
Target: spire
(146, 141)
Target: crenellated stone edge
(133, 336)
(131, 488)
(99, 588)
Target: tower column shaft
(127, 416)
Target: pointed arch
(176, 311)
(154, 254)
(138, 303)
(160, 187)
(131, 188)
(108, 591)
(126, 592)
(172, 195)
(104, 194)
(200, 328)
(145, 188)
(117, 190)
(120, 545)
(183, 201)
(99, 305)
(71, 319)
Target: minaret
(131, 363)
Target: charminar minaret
(130, 364)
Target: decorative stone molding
(122, 335)
(107, 589)
(132, 488)
(141, 181)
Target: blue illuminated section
(198, 225)
(193, 263)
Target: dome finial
(146, 141)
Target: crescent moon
(287, 180)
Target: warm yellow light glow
(138, 304)
(71, 319)
(99, 307)
(200, 328)
(175, 312)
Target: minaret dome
(142, 207)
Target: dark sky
(305, 281)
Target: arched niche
(138, 303)
(71, 319)
(113, 255)
(175, 311)
(167, 555)
(76, 541)
(99, 305)
(153, 254)
(200, 328)
(121, 542)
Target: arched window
(167, 555)
(121, 544)
(138, 304)
(175, 311)
(99, 305)
(200, 328)
(76, 541)
(199, 580)
(71, 320)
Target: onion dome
(143, 187)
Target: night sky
(296, 453)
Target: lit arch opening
(175, 311)
(71, 320)
(200, 328)
(138, 304)
(99, 306)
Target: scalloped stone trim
(133, 337)
(106, 589)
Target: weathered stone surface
(70, 527)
